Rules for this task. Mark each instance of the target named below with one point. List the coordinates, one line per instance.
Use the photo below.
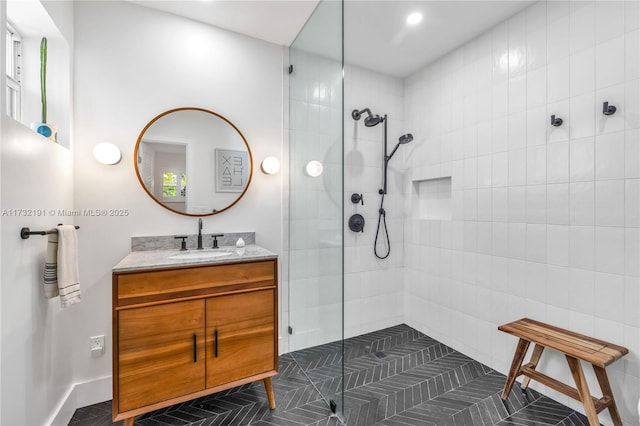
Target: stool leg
(583, 390)
(269, 388)
(603, 380)
(535, 357)
(521, 351)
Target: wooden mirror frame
(156, 118)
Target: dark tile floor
(396, 376)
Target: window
(14, 63)
(174, 189)
(169, 184)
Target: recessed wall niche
(33, 20)
(433, 198)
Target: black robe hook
(556, 121)
(608, 109)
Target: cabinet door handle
(195, 347)
(215, 343)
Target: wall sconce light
(107, 153)
(270, 165)
(314, 168)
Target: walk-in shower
(372, 120)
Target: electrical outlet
(97, 345)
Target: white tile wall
(610, 209)
(610, 63)
(582, 71)
(374, 288)
(581, 203)
(558, 204)
(609, 154)
(581, 159)
(545, 220)
(558, 162)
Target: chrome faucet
(199, 233)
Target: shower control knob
(356, 223)
(357, 198)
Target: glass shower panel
(316, 201)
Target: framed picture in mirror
(232, 170)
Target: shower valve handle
(357, 198)
(356, 223)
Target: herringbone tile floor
(396, 376)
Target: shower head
(371, 119)
(402, 140)
(405, 138)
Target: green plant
(43, 78)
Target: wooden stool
(575, 347)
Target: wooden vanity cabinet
(240, 332)
(160, 353)
(189, 331)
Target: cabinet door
(240, 336)
(161, 353)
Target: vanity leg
(269, 388)
(129, 421)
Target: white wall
(3, 136)
(545, 219)
(131, 64)
(373, 288)
(36, 368)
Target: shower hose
(382, 222)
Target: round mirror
(193, 161)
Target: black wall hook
(556, 121)
(608, 109)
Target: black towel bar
(25, 232)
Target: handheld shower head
(401, 141)
(405, 138)
(371, 119)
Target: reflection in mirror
(193, 161)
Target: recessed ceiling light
(414, 19)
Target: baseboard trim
(80, 395)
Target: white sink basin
(200, 254)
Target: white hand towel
(68, 274)
(51, 266)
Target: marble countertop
(139, 260)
